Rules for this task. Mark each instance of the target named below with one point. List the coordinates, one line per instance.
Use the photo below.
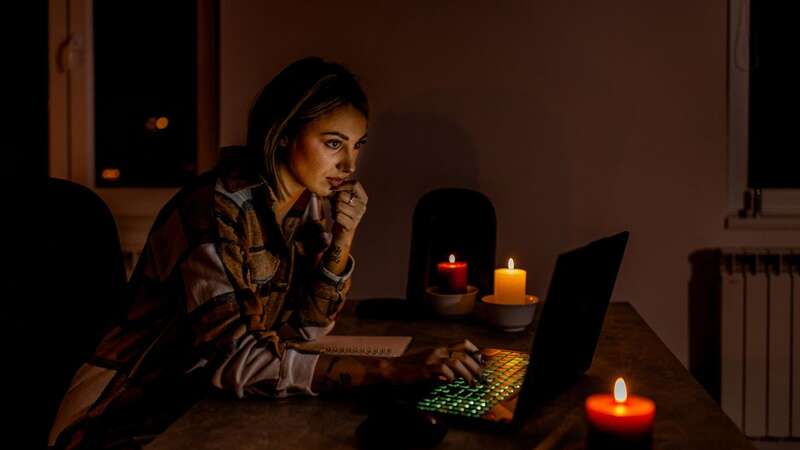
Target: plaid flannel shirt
(218, 292)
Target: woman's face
(325, 151)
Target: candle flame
(620, 391)
(452, 258)
(511, 263)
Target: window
(764, 108)
(133, 101)
(145, 79)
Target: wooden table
(686, 418)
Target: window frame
(780, 208)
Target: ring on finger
(477, 356)
(352, 196)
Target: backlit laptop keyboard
(503, 373)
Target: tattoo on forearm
(333, 362)
(330, 381)
(335, 254)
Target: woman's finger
(346, 186)
(355, 216)
(361, 192)
(353, 210)
(444, 373)
(437, 355)
(353, 186)
(469, 362)
(461, 370)
(345, 202)
(463, 346)
(347, 222)
(344, 196)
(469, 348)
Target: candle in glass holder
(509, 284)
(620, 421)
(452, 276)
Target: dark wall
(577, 119)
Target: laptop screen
(569, 322)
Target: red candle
(452, 276)
(622, 417)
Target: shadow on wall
(409, 154)
(704, 319)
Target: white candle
(509, 284)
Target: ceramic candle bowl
(509, 317)
(451, 304)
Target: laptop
(567, 328)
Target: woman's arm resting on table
(440, 363)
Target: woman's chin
(325, 191)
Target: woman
(242, 264)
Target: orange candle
(452, 276)
(509, 285)
(621, 416)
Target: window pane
(145, 92)
(774, 154)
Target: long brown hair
(304, 90)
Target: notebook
(380, 346)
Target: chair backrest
(82, 291)
(452, 220)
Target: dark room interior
(549, 197)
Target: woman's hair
(301, 92)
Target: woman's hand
(461, 359)
(349, 207)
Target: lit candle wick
(452, 258)
(510, 263)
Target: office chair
(61, 319)
(446, 221)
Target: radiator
(745, 305)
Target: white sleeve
(252, 368)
